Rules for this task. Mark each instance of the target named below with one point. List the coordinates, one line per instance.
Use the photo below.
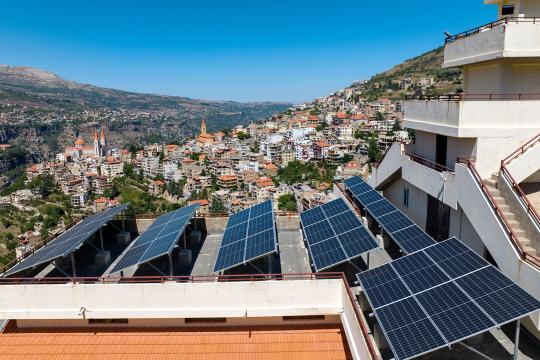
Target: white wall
(417, 209)
(526, 166)
(459, 147)
(515, 76)
(425, 144)
(461, 228)
(472, 119)
(390, 164)
(492, 150)
(73, 303)
(513, 40)
(171, 299)
(484, 78)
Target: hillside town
(292, 158)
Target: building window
(507, 10)
(406, 197)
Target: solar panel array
(250, 234)
(334, 234)
(69, 241)
(399, 227)
(441, 295)
(159, 239)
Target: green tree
(346, 158)
(287, 202)
(374, 153)
(379, 116)
(321, 126)
(128, 170)
(396, 126)
(243, 136)
(44, 184)
(217, 206)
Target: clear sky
(244, 50)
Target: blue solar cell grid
(159, 239)
(250, 234)
(69, 241)
(441, 295)
(334, 234)
(399, 227)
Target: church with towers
(80, 149)
(204, 138)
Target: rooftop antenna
(447, 34)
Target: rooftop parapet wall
(171, 299)
(512, 38)
(304, 294)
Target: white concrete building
(491, 128)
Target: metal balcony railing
(428, 163)
(474, 97)
(507, 20)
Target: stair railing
(531, 210)
(531, 258)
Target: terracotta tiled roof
(276, 343)
(228, 177)
(200, 202)
(322, 144)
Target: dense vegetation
(313, 172)
(287, 202)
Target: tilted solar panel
(439, 296)
(334, 234)
(158, 240)
(397, 225)
(250, 234)
(69, 241)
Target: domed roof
(79, 141)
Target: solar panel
(250, 234)
(353, 181)
(69, 241)
(158, 240)
(441, 295)
(412, 239)
(397, 225)
(334, 234)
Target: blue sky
(241, 50)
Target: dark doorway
(438, 219)
(441, 150)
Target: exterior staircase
(524, 235)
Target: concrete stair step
(509, 215)
(495, 176)
(524, 241)
(514, 224)
(500, 200)
(529, 250)
(491, 183)
(495, 192)
(519, 233)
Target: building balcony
(432, 178)
(505, 38)
(471, 115)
